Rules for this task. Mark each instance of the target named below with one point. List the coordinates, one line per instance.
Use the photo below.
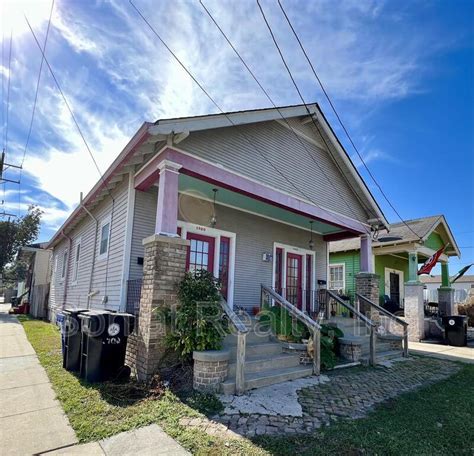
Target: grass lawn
(437, 420)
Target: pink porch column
(366, 253)
(167, 208)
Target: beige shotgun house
(252, 196)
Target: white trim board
(299, 251)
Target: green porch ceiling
(202, 189)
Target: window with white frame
(337, 277)
(64, 265)
(77, 258)
(104, 238)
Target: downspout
(94, 251)
(66, 278)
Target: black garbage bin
(104, 342)
(455, 328)
(71, 333)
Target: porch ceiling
(202, 189)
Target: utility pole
(4, 166)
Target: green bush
(283, 324)
(329, 345)
(198, 316)
(467, 309)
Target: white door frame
(387, 282)
(215, 233)
(299, 251)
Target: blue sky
(400, 74)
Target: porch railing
(313, 326)
(357, 314)
(392, 317)
(242, 331)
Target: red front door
(294, 279)
(200, 252)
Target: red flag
(430, 263)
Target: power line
(301, 95)
(34, 107)
(277, 108)
(220, 109)
(337, 115)
(65, 101)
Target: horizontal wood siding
(351, 260)
(143, 226)
(108, 272)
(255, 236)
(240, 149)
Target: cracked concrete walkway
(31, 418)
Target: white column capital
(168, 165)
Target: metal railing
(389, 315)
(134, 290)
(313, 326)
(242, 331)
(357, 314)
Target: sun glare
(12, 13)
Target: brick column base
(210, 370)
(415, 311)
(164, 266)
(368, 285)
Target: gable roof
(437, 279)
(418, 230)
(179, 128)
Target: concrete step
(259, 363)
(383, 356)
(268, 377)
(251, 338)
(344, 322)
(267, 348)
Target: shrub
(283, 324)
(197, 315)
(329, 345)
(467, 309)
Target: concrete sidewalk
(447, 352)
(31, 419)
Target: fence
(39, 301)
(134, 290)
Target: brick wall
(210, 370)
(163, 268)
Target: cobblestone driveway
(348, 394)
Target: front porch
(248, 235)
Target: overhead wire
(250, 142)
(302, 143)
(339, 118)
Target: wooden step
(268, 377)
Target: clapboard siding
(311, 169)
(255, 235)
(351, 260)
(107, 277)
(143, 226)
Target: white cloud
(116, 74)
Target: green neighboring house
(418, 241)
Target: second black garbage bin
(104, 342)
(71, 334)
(455, 328)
